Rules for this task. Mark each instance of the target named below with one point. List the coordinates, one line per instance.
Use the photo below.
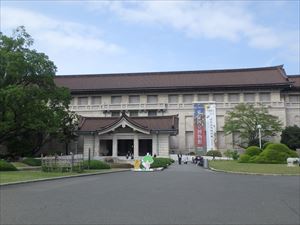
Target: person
(179, 158)
(185, 159)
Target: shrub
(161, 162)
(6, 166)
(121, 165)
(192, 153)
(32, 162)
(275, 153)
(232, 154)
(244, 158)
(214, 153)
(253, 151)
(266, 144)
(95, 165)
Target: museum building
(154, 111)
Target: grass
(234, 166)
(15, 176)
(19, 164)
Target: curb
(62, 177)
(247, 173)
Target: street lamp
(259, 134)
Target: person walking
(179, 158)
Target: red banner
(199, 126)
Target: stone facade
(167, 96)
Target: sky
(93, 37)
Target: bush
(192, 153)
(275, 153)
(253, 151)
(244, 158)
(214, 153)
(266, 144)
(6, 166)
(232, 154)
(32, 162)
(96, 165)
(121, 165)
(161, 162)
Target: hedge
(244, 158)
(161, 162)
(214, 153)
(32, 162)
(6, 166)
(253, 151)
(276, 153)
(95, 165)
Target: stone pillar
(97, 146)
(136, 146)
(115, 146)
(154, 144)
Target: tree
(291, 137)
(32, 108)
(244, 118)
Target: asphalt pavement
(185, 194)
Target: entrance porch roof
(146, 125)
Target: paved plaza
(184, 194)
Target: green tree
(291, 137)
(244, 118)
(32, 108)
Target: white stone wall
(279, 105)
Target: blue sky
(83, 37)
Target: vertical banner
(211, 126)
(199, 126)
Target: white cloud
(57, 34)
(211, 20)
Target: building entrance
(125, 146)
(105, 148)
(145, 146)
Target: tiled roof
(296, 80)
(152, 124)
(251, 77)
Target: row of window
(134, 113)
(187, 98)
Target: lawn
(14, 176)
(234, 166)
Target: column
(115, 146)
(154, 144)
(136, 146)
(97, 146)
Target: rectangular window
(115, 113)
(218, 97)
(134, 99)
(152, 113)
(82, 100)
(96, 100)
(188, 98)
(116, 99)
(203, 97)
(72, 102)
(151, 98)
(173, 98)
(233, 97)
(249, 97)
(294, 98)
(134, 113)
(264, 97)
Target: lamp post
(259, 134)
